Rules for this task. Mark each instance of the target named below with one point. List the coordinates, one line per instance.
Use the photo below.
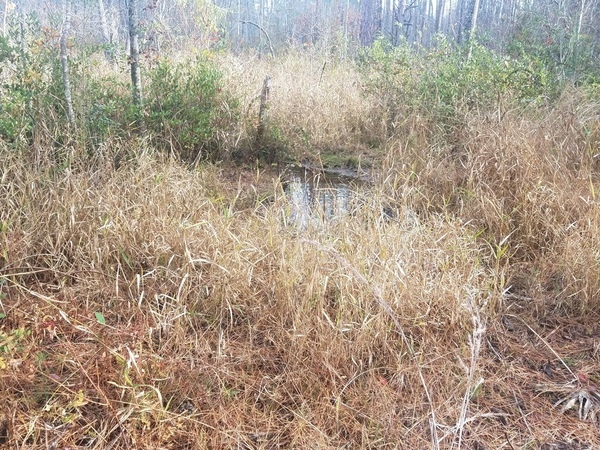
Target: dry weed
(316, 103)
(160, 307)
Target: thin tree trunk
(580, 21)
(461, 20)
(262, 117)
(365, 22)
(368, 22)
(472, 27)
(399, 21)
(387, 18)
(346, 28)
(108, 51)
(260, 24)
(438, 15)
(4, 15)
(575, 40)
(474, 16)
(64, 61)
(448, 28)
(22, 43)
(134, 54)
(424, 15)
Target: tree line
(562, 36)
(344, 25)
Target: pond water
(316, 196)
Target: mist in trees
(567, 31)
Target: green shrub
(15, 123)
(31, 95)
(22, 81)
(389, 72)
(183, 107)
(106, 108)
(445, 83)
(555, 44)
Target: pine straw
(459, 323)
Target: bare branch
(264, 32)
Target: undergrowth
(146, 303)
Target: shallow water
(315, 197)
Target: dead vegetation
(156, 306)
(316, 102)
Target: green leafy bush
(106, 107)
(23, 81)
(183, 107)
(554, 42)
(446, 82)
(15, 123)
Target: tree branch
(264, 32)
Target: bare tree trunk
(398, 21)
(260, 24)
(4, 15)
(262, 117)
(134, 54)
(64, 61)
(387, 19)
(460, 12)
(410, 20)
(108, 52)
(422, 26)
(369, 24)
(580, 21)
(473, 27)
(346, 27)
(474, 15)
(576, 37)
(449, 27)
(438, 15)
(22, 43)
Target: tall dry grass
(156, 306)
(315, 102)
(526, 182)
(223, 327)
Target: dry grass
(161, 307)
(315, 102)
(261, 336)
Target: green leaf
(2, 315)
(126, 259)
(100, 318)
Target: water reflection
(315, 197)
